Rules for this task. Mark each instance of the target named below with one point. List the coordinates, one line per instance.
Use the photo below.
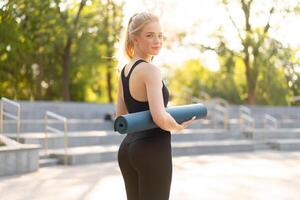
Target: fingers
(186, 123)
(191, 120)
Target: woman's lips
(156, 48)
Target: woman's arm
(153, 83)
(121, 107)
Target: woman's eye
(152, 35)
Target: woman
(145, 157)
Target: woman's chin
(155, 53)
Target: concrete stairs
(46, 161)
(267, 134)
(83, 146)
(211, 147)
(16, 158)
(92, 154)
(283, 139)
(102, 146)
(86, 154)
(285, 145)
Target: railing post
(273, 123)
(66, 141)
(16, 117)
(64, 132)
(1, 116)
(245, 117)
(46, 135)
(226, 120)
(220, 113)
(18, 123)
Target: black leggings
(146, 166)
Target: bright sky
(200, 18)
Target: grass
(1, 144)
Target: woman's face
(149, 40)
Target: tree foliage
(263, 57)
(54, 49)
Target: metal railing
(221, 114)
(245, 110)
(247, 122)
(270, 122)
(219, 108)
(63, 120)
(4, 101)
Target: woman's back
(133, 105)
(134, 89)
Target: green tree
(56, 49)
(258, 51)
(23, 50)
(257, 47)
(193, 80)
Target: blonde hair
(135, 24)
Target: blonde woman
(145, 158)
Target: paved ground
(258, 176)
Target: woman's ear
(134, 39)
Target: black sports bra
(132, 104)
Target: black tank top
(134, 105)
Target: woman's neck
(141, 57)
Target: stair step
(86, 154)
(197, 135)
(46, 162)
(102, 146)
(75, 139)
(285, 144)
(92, 154)
(265, 134)
(92, 138)
(86, 134)
(211, 147)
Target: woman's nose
(156, 39)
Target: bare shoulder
(150, 71)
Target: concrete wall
(17, 158)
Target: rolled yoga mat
(140, 121)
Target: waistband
(156, 132)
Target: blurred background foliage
(66, 50)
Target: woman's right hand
(185, 124)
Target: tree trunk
(250, 75)
(66, 69)
(38, 82)
(67, 51)
(109, 20)
(251, 96)
(109, 84)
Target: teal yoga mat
(140, 121)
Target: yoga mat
(140, 121)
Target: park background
(62, 58)
(246, 52)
